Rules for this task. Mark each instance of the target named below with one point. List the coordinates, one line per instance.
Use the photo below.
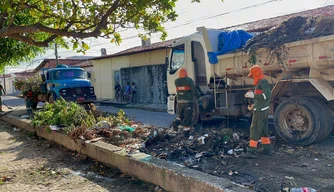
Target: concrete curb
(128, 106)
(171, 177)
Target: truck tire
(327, 129)
(300, 121)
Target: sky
(208, 13)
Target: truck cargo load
(297, 58)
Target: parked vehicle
(70, 83)
(302, 93)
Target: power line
(220, 14)
(189, 22)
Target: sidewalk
(147, 107)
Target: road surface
(159, 119)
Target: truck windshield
(177, 57)
(68, 74)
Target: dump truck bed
(316, 53)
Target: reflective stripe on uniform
(264, 96)
(258, 91)
(265, 140)
(183, 88)
(263, 109)
(253, 143)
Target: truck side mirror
(89, 75)
(43, 77)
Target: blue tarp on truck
(229, 41)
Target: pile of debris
(116, 129)
(174, 146)
(131, 136)
(32, 83)
(293, 29)
(91, 126)
(216, 151)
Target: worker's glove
(249, 94)
(250, 107)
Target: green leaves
(42, 22)
(13, 51)
(63, 113)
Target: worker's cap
(183, 73)
(254, 69)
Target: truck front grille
(79, 91)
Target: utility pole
(56, 53)
(4, 79)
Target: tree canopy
(26, 26)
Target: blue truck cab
(70, 83)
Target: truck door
(177, 60)
(198, 58)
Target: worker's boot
(186, 131)
(267, 149)
(176, 124)
(251, 153)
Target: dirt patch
(28, 163)
(210, 151)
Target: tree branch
(15, 31)
(104, 19)
(29, 40)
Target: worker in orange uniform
(186, 92)
(260, 108)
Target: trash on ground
(236, 136)
(291, 178)
(24, 117)
(94, 140)
(102, 124)
(54, 127)
(303, 189)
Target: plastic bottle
(303, 189)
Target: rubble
(294, 29)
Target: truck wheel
(327, 129)
(300, 121)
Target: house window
(117, 76)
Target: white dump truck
(302, 83)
